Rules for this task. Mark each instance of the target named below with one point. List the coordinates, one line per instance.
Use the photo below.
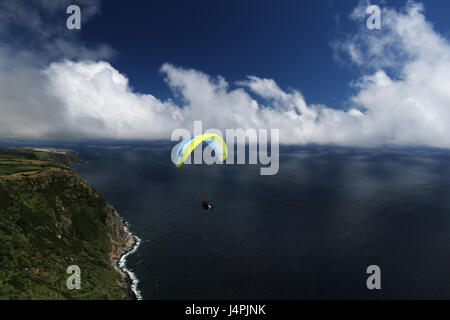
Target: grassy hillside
(51, 219)
(29, 161)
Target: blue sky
(285, 40)
(141, 69)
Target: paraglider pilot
(206, 205)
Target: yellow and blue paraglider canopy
(214, 140)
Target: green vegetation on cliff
(50, 219)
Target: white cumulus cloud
(402, 97)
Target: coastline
(132, 242)
(129, 280)
(53, 176)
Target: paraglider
(187, 147)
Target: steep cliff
(51, 219)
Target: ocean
(309, 232)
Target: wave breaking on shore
(122, 263)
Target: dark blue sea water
(309, 232)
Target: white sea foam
(123, 265)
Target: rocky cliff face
(49, 221)
(115, 225)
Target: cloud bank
(402, 97)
